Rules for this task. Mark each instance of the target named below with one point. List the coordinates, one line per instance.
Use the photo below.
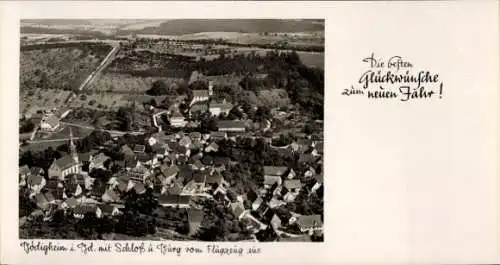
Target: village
(228, 148)
(180, 170)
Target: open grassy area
(313, 59)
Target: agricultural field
(100, 101)
(313, 59)
(58, 68)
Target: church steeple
(72, 147)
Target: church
(68, 164)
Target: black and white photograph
(173, 129)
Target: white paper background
(405, 181)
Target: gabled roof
(85, 157)
(144, 157)
(65, 162)
(100, 158)
(271, 180)
(71, 202)
(107, 208)
(221, 105)
(84, 208)
(184, 141)
(36, 171)
(237, 208)
(125, 149)
(169, 171)
(231, 124)
(292, 184)
(40, 198)
(48, 195)
(218, 135)
(175, 189)
(215, 178)
(319, 177)
(200, 93)
(308, 221)
(33, 180)
(275, 171)
(23, 170)
(199, 177)
(139, 188)
(139, 148)
(51, 120)
(195, 135)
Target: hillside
(191, 26)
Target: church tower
(72, 147)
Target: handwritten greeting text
(395, 78)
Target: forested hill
(191, 26)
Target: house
(180, 201)
(256, 204)
(269, 181)
(79, 179)
(197, 165)
(35, 183)
(216, 108)
(139, 188)
(169, 173)
(275, 222)
(127, 151)
(72, 190)
(69, 203)
(174, 189)
(110, 195)
(198, 107)
(317, 183)
(273, 174)
(23, 173)
(139, 148)
(195, 217)
(49, 197)
(109, 210)
(177, 120)
(195, 76)
(125, 185)
(292, 187)
(195, 136)
(98, 161)
(49, 122)
(147, 159)
(41, 201)
(185, 141)
(237, 209)
(291, 174)
(80, 210)
(212, 147)
(309, 223)
(64, 166)
(219, 135)
(37, 171)
(275, 171)
(318, 149)
(231, 126)
(200, 96)
(160, 150)
(216, 180)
